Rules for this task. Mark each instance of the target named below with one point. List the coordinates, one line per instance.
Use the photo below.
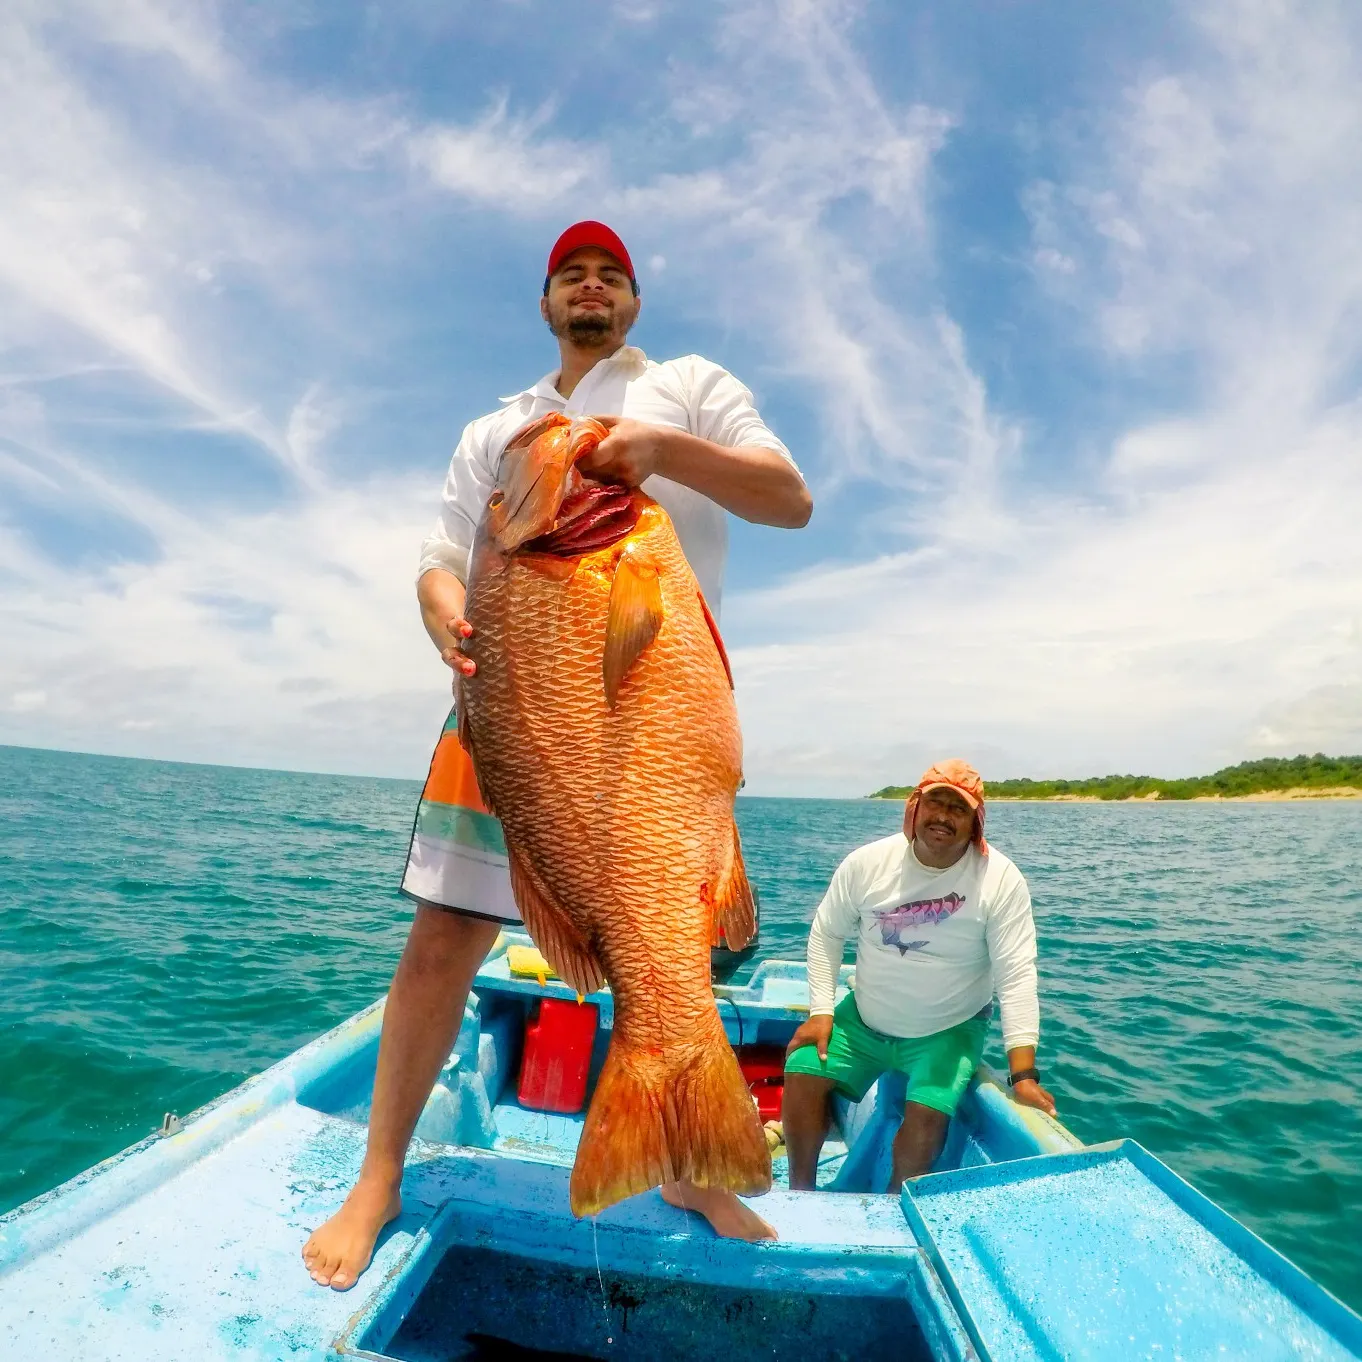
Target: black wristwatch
(1023, 1076)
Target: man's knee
(807, 1089)
(923, 1124)
(441, 941)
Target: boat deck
(1024, 1245)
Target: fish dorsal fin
(718, 638)
(558, 940)
(633, 618)
(735, 909)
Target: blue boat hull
(187, 1246)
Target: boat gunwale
(64, 1211)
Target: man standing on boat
(941, 920)
(688, 433)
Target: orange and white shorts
(457, 858)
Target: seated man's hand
(1029, 1093)
(628, 454)
(459, 631)
(816, 1031)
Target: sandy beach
(1262, 797)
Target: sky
(1058, 306)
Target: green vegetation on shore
(1248, 778)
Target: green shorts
(938, 1067)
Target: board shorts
(457, 859)
(938, 1067)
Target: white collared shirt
(690, 394)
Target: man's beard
(591, 331)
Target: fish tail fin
(658, 1117)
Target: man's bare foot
(729, 1217)
(339, 1251)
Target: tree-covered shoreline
(1232, 782)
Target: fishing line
(596, 1248)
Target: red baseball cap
(588, 234)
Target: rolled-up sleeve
(467, 487)
(722, 410)
(1011, 934)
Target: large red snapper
(603, 730)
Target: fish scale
(621, 817)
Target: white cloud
(1191, 595)
(117, 246)
(503, 161)
(826, 180)
(285, 635)
(326, 668)
(1202, 600)
(1327, 719)
(95, 228)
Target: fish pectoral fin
(461, 711)
(717, 637)
(633, 618)
(558, 940)
(465, 731)
(735, 907)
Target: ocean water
(167, 930)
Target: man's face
(590, 301)
(945, 824)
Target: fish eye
(496, 499)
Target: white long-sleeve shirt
(932, 946)
(690, 394)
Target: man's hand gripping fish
(603, 730)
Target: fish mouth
(542, 504)
(593, 516)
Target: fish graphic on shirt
(899, 925)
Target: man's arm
(833, 923)
(1010, 931)
(444, 554)
(760, 485)
(468, 484)
(441, 597)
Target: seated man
(941, 920)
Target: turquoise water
(167, 930)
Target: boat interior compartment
(476, 1101)
(483, 1285)
(1105, 1252)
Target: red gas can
(763, 1066)
(557, 1056)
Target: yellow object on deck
(525, 962)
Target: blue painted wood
(187, 1247)
(1106, 1253)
